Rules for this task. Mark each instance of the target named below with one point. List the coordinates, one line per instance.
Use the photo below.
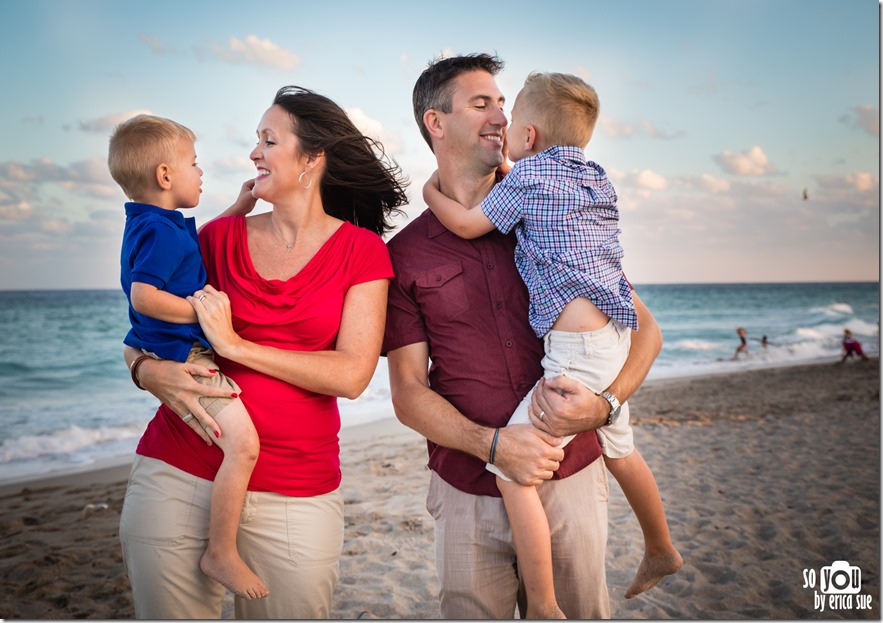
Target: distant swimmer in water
(805, 194)
(743, 342)
(851, 347)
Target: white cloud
(653, 132)
(751, 162)
(256, 51)
(234, 167)
(583, 73)
(86, 177)
(863, 182)
(392, 142)
(616, 129)
(155, 44)
(619, 129)
(106, 124)
(713, 185)
(19, 211)
(643, 180)
(649, 180)
(866, 117)
(704, 85)
(56, 226)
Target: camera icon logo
(840, 578)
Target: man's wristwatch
(615, 407)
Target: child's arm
(151, 301)
(243, 205)
(457, 218)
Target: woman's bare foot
(234, 574)
(652, 570)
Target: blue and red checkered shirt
(563, 209)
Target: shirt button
(508, 343)
(499, 305)
(490, 265)
(438, 277)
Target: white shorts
(593, 358)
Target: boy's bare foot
(234, 574)
(652, 570)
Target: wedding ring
(187, 418)
(542, 415)
(201, 298)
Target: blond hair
(562, 107)
(139, 145)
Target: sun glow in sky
(716, 116)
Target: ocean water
(67, 401)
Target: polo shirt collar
(134, 208)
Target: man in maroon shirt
(462, 355)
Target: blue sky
(716, 115)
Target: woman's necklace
(278, 235)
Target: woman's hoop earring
(300, 180)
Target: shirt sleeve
(504, 205)
(157, 256)
(372, 261)
(404, 320)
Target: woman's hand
(173, 384)
(213, 311)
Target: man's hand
(527, 455)
(568, 407)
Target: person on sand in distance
(463, 303)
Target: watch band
(615, 406)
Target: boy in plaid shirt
(563, 209)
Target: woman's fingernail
(217, 434)
(213, 371)
(234, 395)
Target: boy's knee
(245, 449)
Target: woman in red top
(295, 312)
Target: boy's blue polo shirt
(161, 248)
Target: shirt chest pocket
(441, 292)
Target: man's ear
(433, 122)
(163, 176)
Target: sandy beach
(767, 476)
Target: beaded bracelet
(494, 446)
(134, 369)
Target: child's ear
(530, 138)
(163, 176)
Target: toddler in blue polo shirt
(563, 210)
(154, 161)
